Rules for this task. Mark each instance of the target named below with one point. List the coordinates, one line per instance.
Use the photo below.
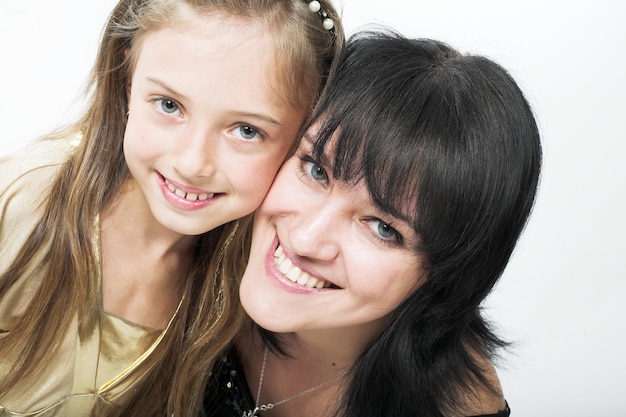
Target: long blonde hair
(92, 178)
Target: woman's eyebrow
(397, 218)
(311, 141)
(307, 138)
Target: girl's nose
(194, 155)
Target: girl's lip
(185, 188)
(185, 198)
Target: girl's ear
(128, 81)
(128, 91)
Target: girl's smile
(185, 197)
(207, 128)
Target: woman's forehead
(393, 197)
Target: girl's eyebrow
(172, 91)
(162, 84)
(258, 116)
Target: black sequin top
(228, 395)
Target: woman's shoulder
(504, 412)
(486, 399)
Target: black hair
(449, 142)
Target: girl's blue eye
(247, 132)
(316, 171)
(168, 106)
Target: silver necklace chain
(264, 407)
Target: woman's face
(324, 256)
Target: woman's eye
(246, 132)
(384, 231)
(167, 106)
(316, 171)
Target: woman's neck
(314, 358)
(323, 349)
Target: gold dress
(86, 371)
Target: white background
(562, 296)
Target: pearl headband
(327, 22)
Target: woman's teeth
(187, 196)
(295, 274)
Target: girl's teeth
(188, 196)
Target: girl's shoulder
(43, 155)
(25, 180)
(30, 172)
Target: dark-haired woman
(381, 237)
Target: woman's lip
(281, 280)
(294, 259)
(278, 278)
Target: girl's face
(207, 130)
(324, 256)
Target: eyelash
(304, 160)
(156, 101)
(259, 132)
(162, 99)
(396, 240)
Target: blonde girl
(112, 231)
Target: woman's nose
(315, 231)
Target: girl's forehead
(215, 35)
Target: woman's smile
(295, 274)
(315, 262)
